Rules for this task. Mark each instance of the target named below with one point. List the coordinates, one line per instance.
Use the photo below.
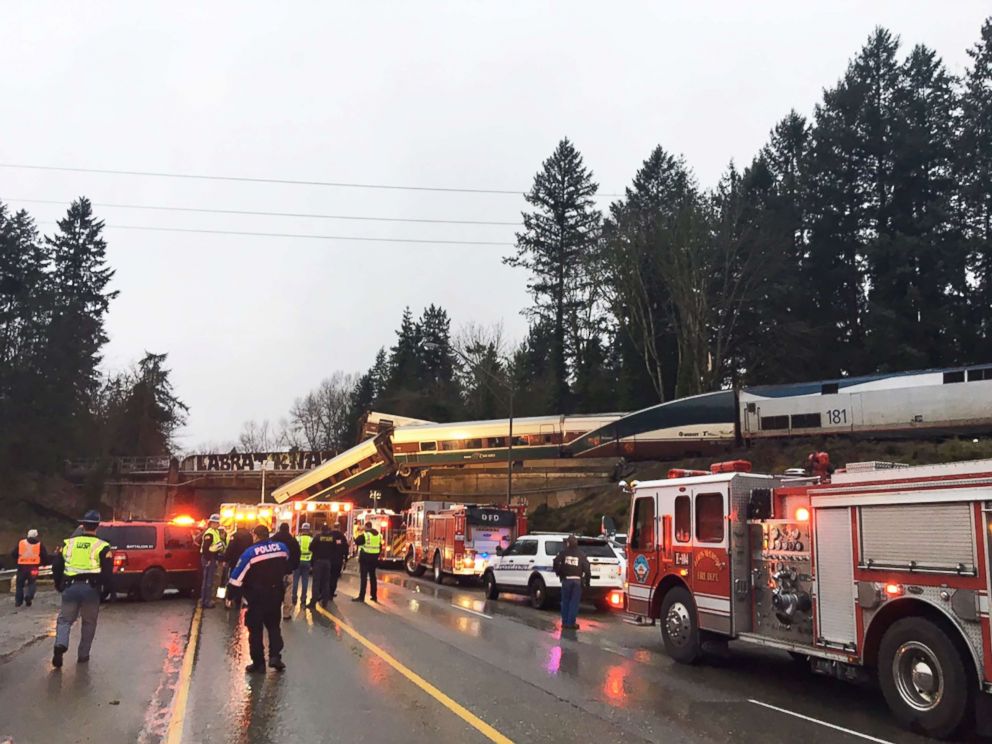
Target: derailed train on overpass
(929, 403)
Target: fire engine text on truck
(459, 539)
(880, 570)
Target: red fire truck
(881, 571)
(459, 539)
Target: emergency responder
(572, 567)
(30, 555)
(329, 549)
(259, 576)
(211, 548)
(302, 572)
(369, 548)
(241, 540)
(293, 546)
(82, 571)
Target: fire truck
(878, 571)
(459, 539)
(391, 529)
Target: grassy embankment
(767, 457)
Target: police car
(526, 567)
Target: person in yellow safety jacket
(369, 549)
(211, 549)
(30, 555)
(82, 572)
(302, 572)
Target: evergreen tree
(441, 393)
(405, 370)
(974, 174)
(556, 246)
(144, 412)
(77, 303)
(533, 373)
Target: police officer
(30, 555)
(81, 571)
(572, 567)
(258, 576)
(369, 547)
(302, 572)
(211, 548)
(329, 550)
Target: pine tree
(559, 238)
(149, 413)
(440, 391)
(974, 175)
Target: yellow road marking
(174, 734)
(459, 710)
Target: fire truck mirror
(759, 506)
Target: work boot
(358, 599)
(255, 668)
(27, 602)
(276, 663)
(375, 599)
(57, 656)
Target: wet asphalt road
(507, 664)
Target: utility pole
(265, 466)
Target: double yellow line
(459, 710)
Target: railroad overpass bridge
(160, 487)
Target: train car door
(710, 571)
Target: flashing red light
(894, 590)
(802, 514)
(731, 466)
(615, 599)
(184, 520)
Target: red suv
(150, 557)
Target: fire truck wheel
(489, 586)
(412, 567)
(679, 626)
(538, 593)
(152, 585)
(924, 678)
(438, 573)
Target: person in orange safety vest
(30, 555)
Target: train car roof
(932, 376)
(323, 471)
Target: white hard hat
(32, 533)
(305, 526)
(214, 518)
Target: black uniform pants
(321, 582)
(264, 613)
(335, 574)
(366, 570)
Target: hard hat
(305, 526)
(214, 518)
(91, 517)
(32, 533)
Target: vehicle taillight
(120, 561)
(615, 598)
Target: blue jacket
(261, 566)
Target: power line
(285, 181)
(203, 210)
(246, 233)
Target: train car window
(428, 446)
(683, 519)
(774, 422)
(452, 444)
(980, 374)
(950, 377)
(806, 421)
(709, 517)
(473, 444)
(497, 441)
(829, 388)
(642, 537)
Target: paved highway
(426, 664)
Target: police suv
(525, 567)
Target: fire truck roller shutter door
(835, 576)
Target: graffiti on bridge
(251, 461)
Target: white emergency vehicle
(526, 567)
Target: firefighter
(82, 571)
(30, 555)
(211, 548)
(259, 577)
(302, 573)
(369, 549)
(293, 546)
(572, 567)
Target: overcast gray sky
(452, 94)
